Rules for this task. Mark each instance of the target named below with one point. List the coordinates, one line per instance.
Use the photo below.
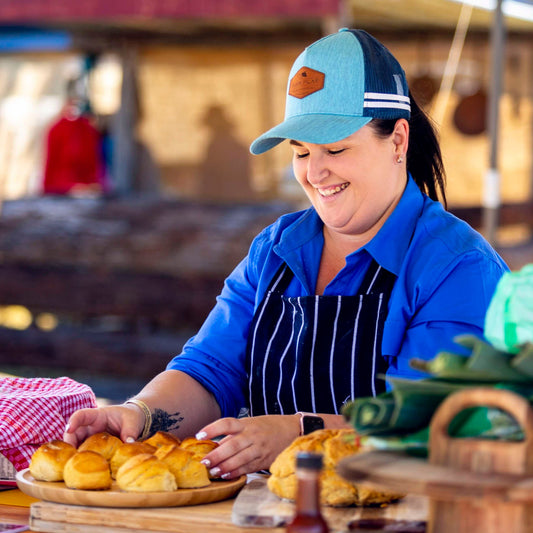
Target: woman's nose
(316, 169)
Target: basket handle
(471, 453)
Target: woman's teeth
(333, 190)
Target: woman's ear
(400, 138)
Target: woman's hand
(124, 421)
(250, 444)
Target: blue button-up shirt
(446, 276)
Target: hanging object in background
(423, 85)
(470, 116)
(423, 88)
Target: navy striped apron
(316, 353)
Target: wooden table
(215, 517)
(13, 514)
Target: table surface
(411, 508)
(14, 514)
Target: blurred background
(127, 192)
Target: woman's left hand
(249, 444)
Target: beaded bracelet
(147, 416)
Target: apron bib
(316, 353)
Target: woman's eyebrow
(296, 143)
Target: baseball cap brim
(315, 128)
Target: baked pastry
(200, 448)
(189, 472)
(162, 438)
(103, 443)
(334, 445)
(87, 470)
(145, 473)
(48, 461)
(126, 451)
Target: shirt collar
(398, 229)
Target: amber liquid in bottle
(307, 517)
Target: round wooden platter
(57, 492)
(400, 472)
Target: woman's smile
(330, 191)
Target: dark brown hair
(424, 158)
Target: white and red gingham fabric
(36, 410)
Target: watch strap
(309, 422)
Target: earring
(399, 159)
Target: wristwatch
(309, 422)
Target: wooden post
(491, 196)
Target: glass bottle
(307, 517)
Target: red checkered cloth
(36, 410)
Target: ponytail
(424, 158)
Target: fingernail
(67, 427)
(129, 440)
(201, 435)
(214, 471)
(225, 476)
(206, 462)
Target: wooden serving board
(48, 517)
(58, 492)
(257, 506)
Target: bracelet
(147, 416)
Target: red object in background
(74, 156)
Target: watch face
(312, 423)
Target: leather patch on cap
(305, 82)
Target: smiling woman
(328, 299)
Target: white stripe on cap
(388, 101)
(388, 105)
(386, 96)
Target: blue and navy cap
(336, 86)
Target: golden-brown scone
(87, 470)
(126, 451)
(189, 472)
(103, 443)
(145, 473)
(200, 448)
(334, 445)
(285, 463)
(337, 491)
(162, 438)
(48, 461)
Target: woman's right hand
(124, 421)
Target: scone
(145, 473)
(48, 461)
(334, 445)
(189, 472)
(103, 443)
(162, 438)
(87, 470)
(126, 451)
(200, 448)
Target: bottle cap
(309, 460)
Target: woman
(328, 299)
